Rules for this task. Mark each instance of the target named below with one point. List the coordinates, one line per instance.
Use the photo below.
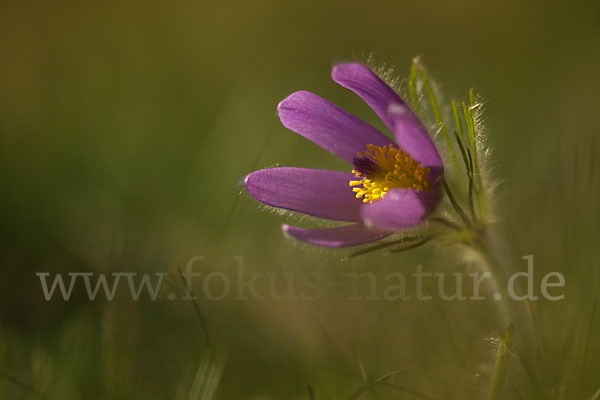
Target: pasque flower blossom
(390, 186)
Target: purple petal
(365, 83)
(327, 125)
(341, 236)
(408, 130)
(414, 139)
(401, 208)
(320, 193)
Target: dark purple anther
(366, 166)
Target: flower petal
(401, 208)
(340, 236)
(413, 138)
(327, 125)
(408, 130)
(320, 193)
(372, 89)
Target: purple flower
(392, 186)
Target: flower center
(381, 169)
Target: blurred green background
(126, 128)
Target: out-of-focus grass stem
(20, 384)
(367, 386)
(502, 360)
(201, 318)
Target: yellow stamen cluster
(392, 168)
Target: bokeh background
(127, 126)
